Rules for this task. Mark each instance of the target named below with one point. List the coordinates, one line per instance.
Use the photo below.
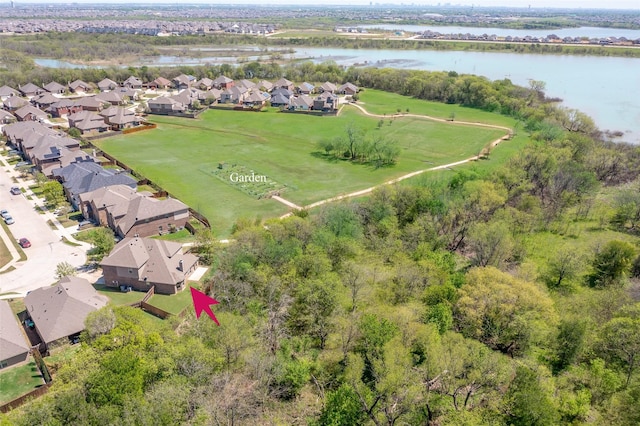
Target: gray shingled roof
(60, 310)
(54, 87)
(143, 208)
(12, 339)
(158, 260)
(84, 177)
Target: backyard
(16, 381)
(182, 155)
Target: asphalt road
(47, 249)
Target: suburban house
(14, 103)
(141, 263)
(44, 101)
(327, 87)
(63, 108)
(7, 92)
(55, 87)
(132, 83)
(160, 83)
(79, 86)
(18, 133)
(128, 93)
(30, 113)
(247, 84)
(265, 85)
(280, 91)
(90, 103)
(300, 103)
(348, 89)
(183, 81)
(50, 158)
(204, 84)
(147, 216)
(111, 97)
(305, 89)
(211, 96)
(279, 100)
(254, 100)
(106, 85)
(188, 96)
(30, 90)
(119, 118)
(88, 122)
(283, 83)
(165, 105)
(14, 347)
(234, 94)
(95, 205)
(6, 117)
(82, 177)
(223, 82)
(326, 102)
(58, 312)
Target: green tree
(505, 313)
(612, 264)
(103, 242)
(528, 402)
(100, 322)
(620, 344)
(74, 132)
(563, 267)
(53, 193)
(341, 408)
(313, 305)
(65, 269)
(490, 244)
(569, 343)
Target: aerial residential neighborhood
(48, 131)
(327, 215)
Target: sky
(577, 4)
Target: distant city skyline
(534, 4)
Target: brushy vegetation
(504, 293)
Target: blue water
(590, 32)
(606, 88)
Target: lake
(606, 88)
(590, 32)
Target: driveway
(47, 249)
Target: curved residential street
(47, 248)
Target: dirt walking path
(403, 177)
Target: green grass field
(16, 381)
(117, 297)
(174, 303)
(181, 154)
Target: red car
(24, 243)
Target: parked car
(4, 213)
(16, 191)
(24, 243)
(9, 220)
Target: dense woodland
(502, 294)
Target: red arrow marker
(202, 302)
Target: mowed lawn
(16, 381)
(181, 154)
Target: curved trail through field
(409, 175)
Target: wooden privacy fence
(24, 398)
